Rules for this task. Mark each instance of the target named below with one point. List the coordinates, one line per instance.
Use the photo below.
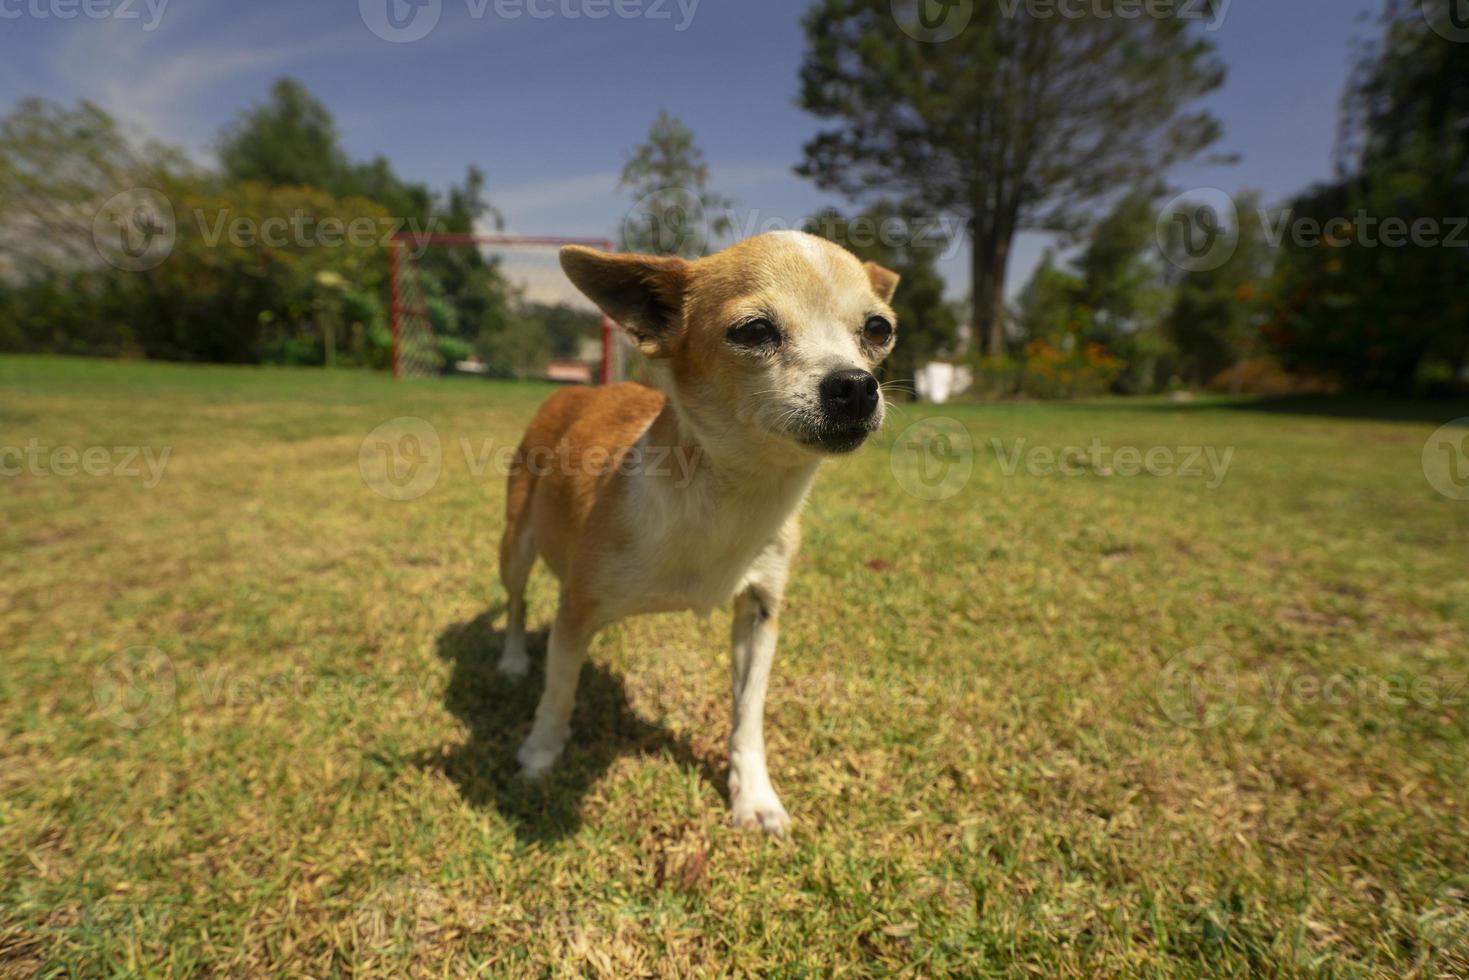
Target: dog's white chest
(695, 547)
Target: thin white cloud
(157, 81)
(560, 193)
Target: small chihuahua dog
(765, 352)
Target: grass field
(1050, 725)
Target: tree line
(276, 255)
(1019, 120)
(1046, 123)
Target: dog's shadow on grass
(498, 711)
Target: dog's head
(771, 343)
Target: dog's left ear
(884, 281)
(644, 293)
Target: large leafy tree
(676, 212)
(1020, 121)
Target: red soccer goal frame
(397, 309)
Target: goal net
(497, 306)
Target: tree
(1114, 296)
(927, 326)
(1123, 284)
(228, 298)
(1018, 122)
(1384, 308)
(290, 141)
(58, 165)
(1217, 313)
(1049, 304)
(676, 212)
(63, 170)
(473, 283)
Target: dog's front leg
(565, 651)
(752, 798)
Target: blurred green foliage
(278, 256)
(1375, 307)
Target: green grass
(991, 766)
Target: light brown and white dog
(765, 352)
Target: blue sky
(548, 106)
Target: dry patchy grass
(992, 766)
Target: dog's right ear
(644, 293)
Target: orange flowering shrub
(1051, 372)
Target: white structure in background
(937, 382)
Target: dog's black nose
(849, 396)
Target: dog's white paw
(536, 760)
(760, 810)
(513, 664)
(513, 660)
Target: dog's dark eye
(877, 332)
(754, 333)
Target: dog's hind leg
(517, 557)
(565, 652)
